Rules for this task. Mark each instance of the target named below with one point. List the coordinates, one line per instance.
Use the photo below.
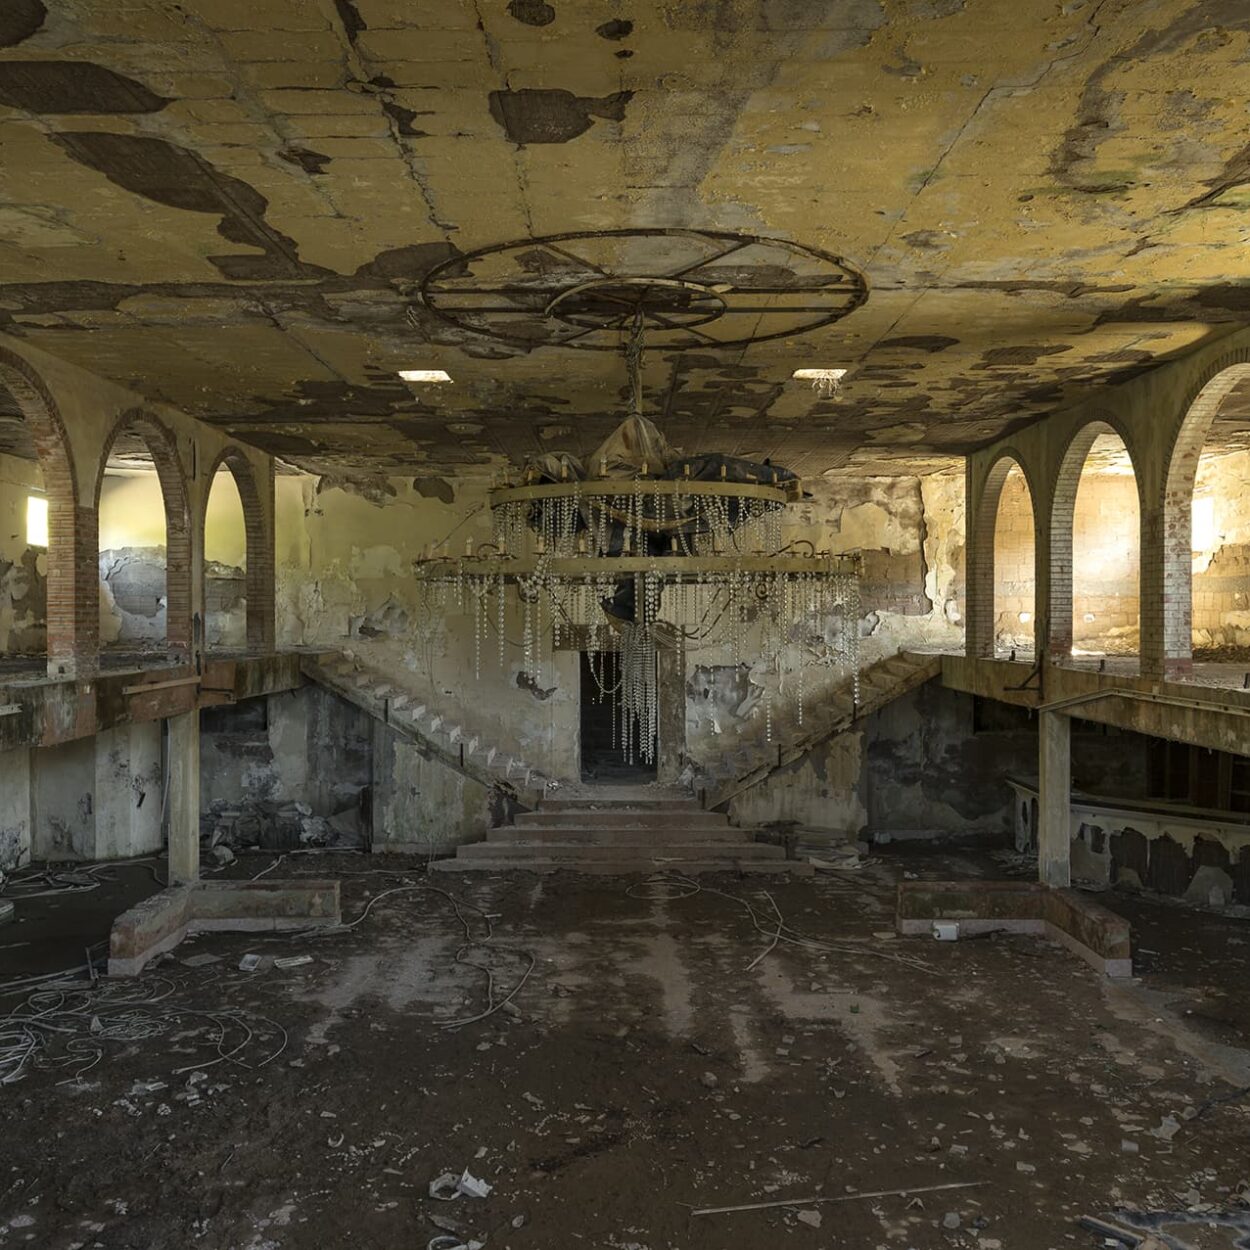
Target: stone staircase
(618, 830)
(441, 732)
(755, 760)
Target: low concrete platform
(1097, 935)
(159, 923)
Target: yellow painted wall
(225, 539)
(132, 511)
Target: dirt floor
(661, 1055)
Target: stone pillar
(184, 797)
(1054, 795)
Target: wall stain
(435, 488)
(552, 115)
(179, 178)
(532, 12)
(525, 681)
(74, 87)
(618, 28)
(309, 161)
(19, 19)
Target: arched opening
(1015, 550)
(1207, 526)
(23, 542)
(144, 545)
(1096, 548)
(234, 498)
(39, 512)
(225, 565)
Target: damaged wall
(99, 797)
(345, 554)
(15, 809)
(420, 806)
(1221, 555)
(132, 558)
(345, 557)
(23, 567)
(288, 770)
(935, 762)
(910, 534)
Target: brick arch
(73, 611)
(259, 549)
(160, 442)
(1062, 508)
(1202, 406)
(981, 576)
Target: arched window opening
(133, 554)
(23, 543)
(225, 565)
(1219, 530)
(1014, 573)
(145, 545)
(1106, 547)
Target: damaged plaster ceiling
(230, 205)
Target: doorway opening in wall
(603, 759)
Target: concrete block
(159, 923)
(1086, 928)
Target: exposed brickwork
(73, 592)
(258, 529)
(1015, 563)
(160, 442)
(1062, 514)
(983, 524)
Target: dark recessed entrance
(603, 759)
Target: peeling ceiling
(228, 205)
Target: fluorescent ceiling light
(425, 375)
(819, 375)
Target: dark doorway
(603, 759)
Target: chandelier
(641, 549)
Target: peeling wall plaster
(23, 568)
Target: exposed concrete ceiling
(227, 204)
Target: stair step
(578, 819)
(524, 848)
(589, 836)
(678, 803)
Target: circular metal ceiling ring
(658, 301)
(695, 289)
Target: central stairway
(617, 829)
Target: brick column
(1165, 605)
(259, 523)
(178, 583)
(73, 589)
(1054, 799)
(980, 516)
